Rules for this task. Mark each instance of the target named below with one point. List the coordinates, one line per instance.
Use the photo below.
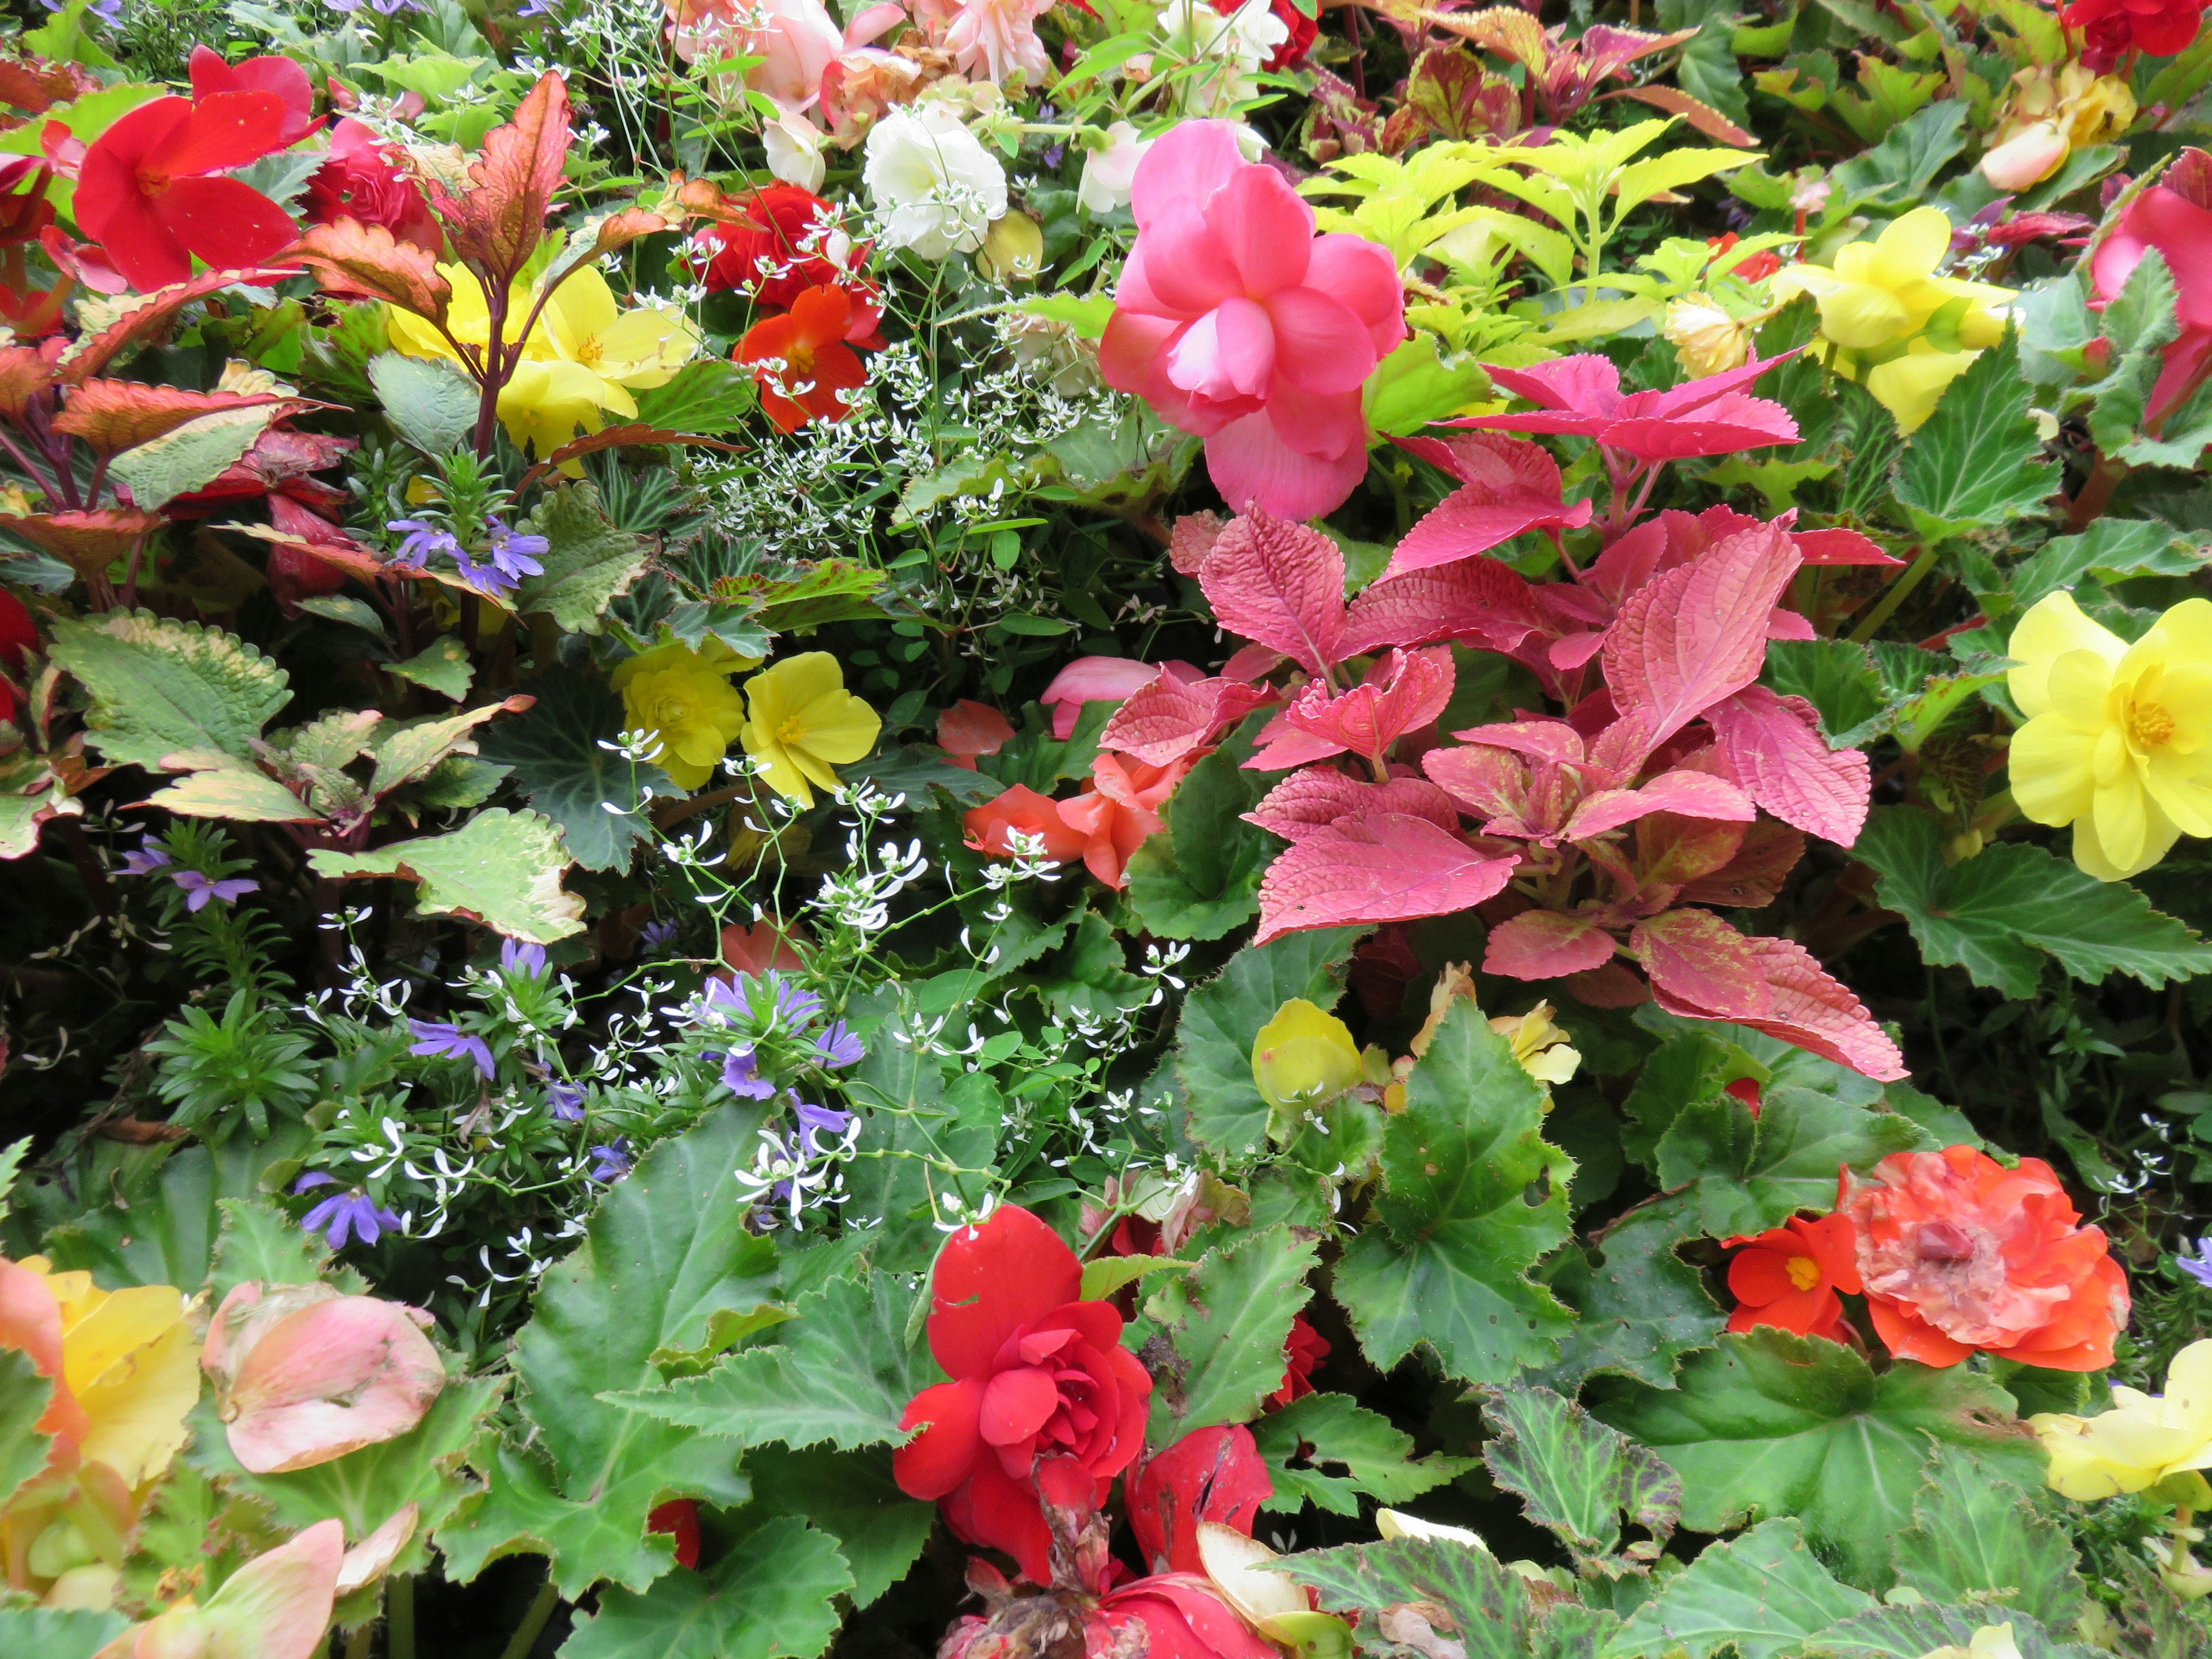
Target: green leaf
(443, 666)
(1643, 1307)
(841, 1374)
(1759, 1596)
(159, 686)
(11, 1165)
(1744, 1174)
(1768, 1424)
(1578, 1477)
(1106, 1274)
(1414, 386)
(1899, 169)
(772, 1596)
(1318, 1432)
(59, 1633)
(1460, 1223)
(1226, 1321)
(1213, 1057)
(501, 868)
(555, 749)
(24, 1397)
(259, 1242)
(2110, 551)
(1998, 913)
(429, 403)
(666, 1249)
(2139, 322)
(186, 458)
(1198, 877)
(1484, 1604)
(1087, 317)
(1838, 678)
(1912, 1632)
(228, 787)
(878, 1529)
(1975, 461)
(589, 561)
(708, 397)
(1973, 1538)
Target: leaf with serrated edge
(24, 1397)
(1318, 1431)
(1911, 1631)
(443, 666)
(498, 221)
(1577, 1476)
(1974, 461)
(366, 262)
(159, 686)
(1226, 1321)
(220, 785)
(1279, 584)
(502, 868)
(1485, 1601)
(1387, 867)
(1644, 1307)
(772, 1596)
(878, 1529)
(589, 563)
(1214, 1046)
(1973, 1537)
(1744, 1174)
(1758, 1596)
(558, 760)
(180, 461)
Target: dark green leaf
(2110, 551)
(555, 749)
(1974, 1538)
(1303, 1441)
(772, 1596)
(1199, 876)
(1911, 1631)
(1744, 1174)
(1577, 1476)
(1975, 460)
(1643, 1307)
(1221, 1018)
(1759, 1596)
(1899, 169)
(851, 1496)
(24, 1397)
(1224, 1323)
(1485, 1603)
(589, 563)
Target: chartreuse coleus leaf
(1577, 1476)
(159, 686)
(1973, 1538)
(1485, 1603)
(1758, 1596)
(1222, 1017)
(1309, 1436)
(1225, 1322)
(851, 1496)
(501, 868)
(772, 1596)
(1472, 1197)
(666, 1249)
(2001, 912)
(1769, 1424)
(1744, 1174)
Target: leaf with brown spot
(113, 415)
(365, 262)
(93, 354)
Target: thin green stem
(400, 1617)
(533, 1622)
(1899, 591)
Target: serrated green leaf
(1767, 1423)
(2139, 322)
(1838, 678)
(59, 1633)
(1973, 1538)
(1759, 1596)
(159, 686)
(1998, 913)
(2110, 551)
(429, 403)
(555, 751)
(1643, 1307)
(1485, 1603)
(878, 1529)
(187, 457)
(589, 561)
(443, 666)
(1578, 1476)
(707, 397)
(406, 749)
(501, 868)
(1317, 1432)
(1213, 1052)
(1198, 877)
(259, 1242)
(1912, 1632)
(772, 1596)
(1899, 169)
(24, 1397)
(1447, 1267)
(1975, 460)
(11, 1165)
(1744, 1174)
(1106, 1274)
(1226, 1321)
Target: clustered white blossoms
(936, 189)
(1235, 46)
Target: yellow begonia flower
(683, 698)
(2118, 741)
(804, 724)
(1989, 1642)
(2144, 1439)
(131, 1361)
(629, 350)
(1540, 1047)
(1888, 320)
(2050, 117)
(1304, 1055)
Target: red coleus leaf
(1403, 692)
(25, 371)
(1545, 945)
(1539, 739)
(1477, 600)
(1215, 1475)
(1671, 850)
(113, 415)
(1491, 782)
(496, 224)
(1773, 744)
(356, 261)
(1307, 803)
(1390, 867)
(1582, 395)
(1754, 876)
(1815, 1012)
(92, 353)
(1192, 539)
(1839, 546)
(1279, 585)
(1692, 794)
(1509, 486)
(1168, 718)
(87, 542)
(1698, 962)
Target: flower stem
(400, 1617)
(1899, 591)
(533, 1622)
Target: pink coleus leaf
(1539, 739)
(1774, 746)
(1582, 395)
(1099, 679)
(1839, 546)
(1476, 599)
(1489, 781)
(1697, 961)
(1279, 585)
(1167, 718)
(1192, 539)
(1390, 867)
(1307, 803)
(1545, 945)
(1509, 486)
(1671, 850)
(1815, 1012)
(1404, 692)
(1753, 876)
(1692, 794)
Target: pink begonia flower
(795, 41)
(1101, 679)
(1236, 322)
(989, 39)
(2181, 231)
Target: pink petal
(1186, 266)
(1230, 352)
(1320, 346)
(1187, 163)
(1252, 466)
(315, 1382)
(1263, 226)
(1362, 275)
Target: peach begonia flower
(989, 39)
(1119, 809)
(278, 1606)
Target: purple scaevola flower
(719, 1002)
(520, 957)
(351, 1212)
(818, 1123)
(567, 1100)
(435, 1038)
(656, 934)
(486, 579)
(422, 539)
(2199, 1267)
(611, 1163)
(199, 889)
(108, 11)
(837, 1047)
(741, 1076)
(794, 1006)
(515, 555)
(150, 856)
(386, 6)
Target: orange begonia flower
(990, 826)
(802, 362)
(1789, 1276)
(1118, 808)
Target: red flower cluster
(2110, 28)
(1103, 824)
(361, 181)
(780, 245)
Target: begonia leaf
(24, 1397)
(1978, 459)
(1912, 1630)
(497, 223)
(775, 1595)
(1304, 1442)
(1744, 1174)
(1641, 1306)
(1199, 876)
(1280, 585)
(1973, 1537)
(564, 755)
(159, 686)
(851, 1496)
(1221, 1018)
(1224, 1323)
(1389, 867)
(59, 1632)
(1759, 1596)
(501, 868)
(1484, 1602)
(1577, 1476)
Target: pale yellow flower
(684, 699)
(1540, 1047)
(629, 350)
(1989, 1642)
(1302, 1056)
(1707, 339)
(804, 724)
(2144, 1437)
(2049, 115)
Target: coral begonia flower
(968, 729)
(1303, 1349)
(1036, 1372)
(144, 196)
(1789, 1276)
(1236, 322)
(802, 360)
(2181, 231)
(286, 79)
(1020, 810)
(1119, 809)
(1958, 1253)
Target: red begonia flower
(1959, 1253)
(1215, 1475)
(18, 634)
(2110, 28)
(1183, 1617)
(280, 77)
(990, 828)
(678, 1518)
(360, 181)
(968, 729)
(145, 196)
(1789, 1276)
(1036, 1371)
(1119, 809)
(1305, 1349)
(803, 362)
(783, 241)
(1304, 29)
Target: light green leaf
(774, 1597)
(1087, 317)
(59, 1633)
(1998, 913)
(1975, 461)
(224, 787)
(1221, 1018)
(1578, 1477)
(878, 1529)
(1199, 876)
(11, 1165)
(187, 457)
(259, 1242)
(1447, 1267)
(407, 750)
(1227, 1321)
(443, 666)
(1914, 1630)
(1317, 1433)
(555, 750)
(1485, 1603)
(589, 563)
(705, 397)
(1106, 1274)
(159, 686)
(1744, 1174)
(501, 868)
(24, 1397)
(1759, 1596)
(1413, 386)
(1973, 1537)
(429, 403)
(1899, 169)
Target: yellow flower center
(2149, 725)
(1804, 1271)
(791, 732)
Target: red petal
(226, 129)
(940, 1457)
(226, 222)
(1002, 1514)
(1016, 1404)
(993, 1280)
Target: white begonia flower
(1109, 173)
(1240, 42)
(794, 151)
(935, 187)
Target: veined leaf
(183, 459)
(1743, 1175)
(501, 868)
(1973, 1537)
(1317, 1433)
(1909, 1632)
(1221, 1018)
(589, 563)
(159, 686)
(1642, 1306)
(1975, 461)
(24, 1397)
(1759, 1596)
(1485, 1603)
(851, 1496)
(1200, 877)
(772, 1596)
(555, 749)
(59, 1633)
(1579, 1477)
(1227, 1321)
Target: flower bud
(1707, 339)
(1012, 249)
(2032, 155)
(1302, 1056)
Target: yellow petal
(1911, 248)
(1861, 315)
(1909, 386)
(581, 309)
(2053, 626)
(2049, 764)
(1303, 1056)
(139, 1406)
(840, 728)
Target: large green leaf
(1221, 1018)
(1975, 462)
(1226, 1321)
(878, 1529)
(1199, 876)
(1578, 1476)
(589, 561)
(666, 1249)
(186, 458)
(159, 686)
(1484, 1604)
(1999, 913)
(1974, 1538)
(560, 759)
(1915, 1630)
(2110, 551)
(1642, 1306)
(428, 400)
(2138, 323)
(1305, 1439)
(24, 1397)
(1472, 1197)
(840, 1373)
(1744, 1174)
(772, 1596)
(1759, 1596)
(1768, 1424)
(57, 1632)
(501, 868)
